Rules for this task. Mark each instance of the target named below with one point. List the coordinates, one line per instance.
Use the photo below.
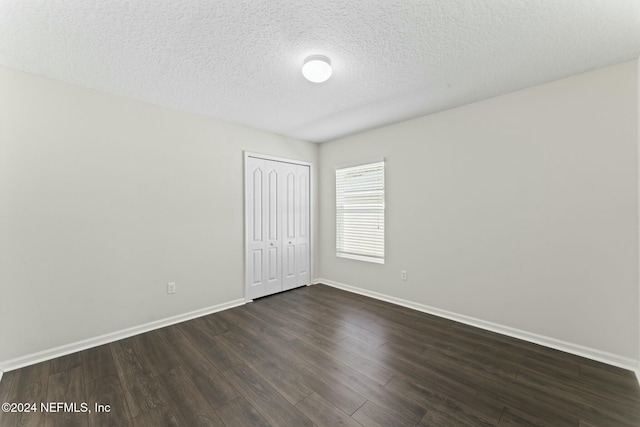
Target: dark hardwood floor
(321, 356)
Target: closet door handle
(271, 243)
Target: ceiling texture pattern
(240, 60)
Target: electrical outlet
(403, 274)
(171, 287)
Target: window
(360, 212)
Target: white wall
(103, 200)
(525, 212)
(520, 210)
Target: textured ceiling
(239, 60)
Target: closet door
(303, 206)
(273, 227)
(277, 226)
(289, 220)
(255, 175)
(264, 229)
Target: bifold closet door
(289, 217)
(303, 209)
(265, 228)
(295, 242)
(278, 213)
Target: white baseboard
(567, 347)
(1, 372)
(63, 350)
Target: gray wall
(520, 210)
(103, 200)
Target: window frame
(363, 194)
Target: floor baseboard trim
(41, 356)
(1, 372)
(567, 347)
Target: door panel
(303, 202)
(289, 279)
(257, 267)
(303, 256)
(273, 264)
(291, 259)
(256, 211)
(272, 197)
(272, 221)
(255, 200)
(290, 203)
(302, 236)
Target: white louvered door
(277, 226)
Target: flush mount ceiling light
(317, 68)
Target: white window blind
(360, 212)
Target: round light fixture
(317, 68)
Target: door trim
(246, 156)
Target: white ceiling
(239, 60)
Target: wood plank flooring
(321, 356)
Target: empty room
(319, 213)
